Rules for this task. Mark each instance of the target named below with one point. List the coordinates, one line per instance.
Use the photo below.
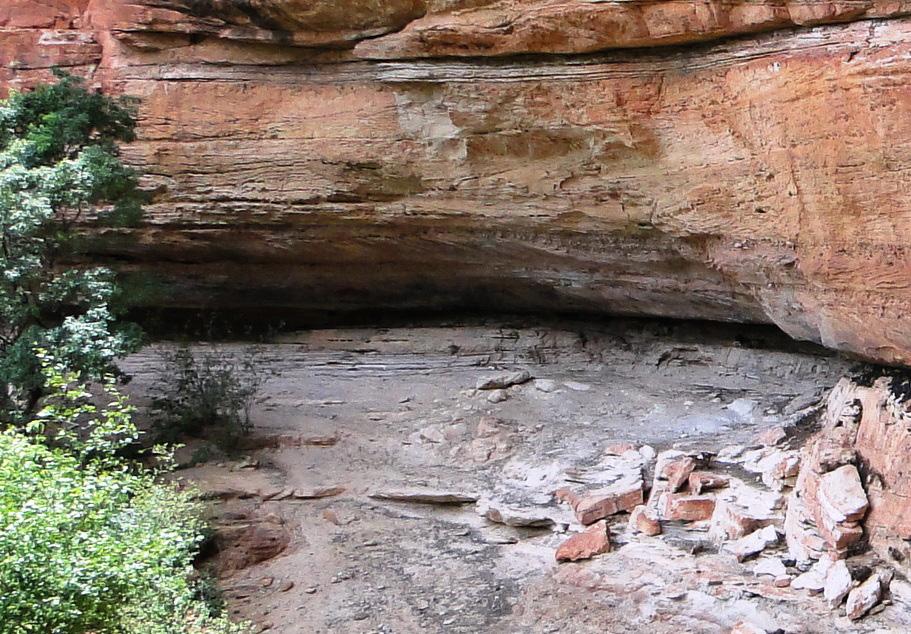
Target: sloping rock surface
(741, 161)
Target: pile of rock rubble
(801, 509)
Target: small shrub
(212, 391)
(89, 541)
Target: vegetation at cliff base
(90, 541)
(93, 540)
(209, 393)
(60, 170)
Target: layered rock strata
(742, 161)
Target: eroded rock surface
(398, 546)
(301, 159)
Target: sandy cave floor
(350, 413)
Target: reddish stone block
(595, 540)
(688, 508)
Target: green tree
(89, 541)
(60, 170)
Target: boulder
(838, 584)
(594, 540)
(862, 598)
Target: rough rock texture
(621, 496)
(857, 455)
(302, 159)
(838, 584)
(866, 595)
(578, 26)
(686, 508)
(393, 410)
(594, 540)
(642, 520)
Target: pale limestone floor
(400, 408)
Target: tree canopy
(60, 170)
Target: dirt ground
(311, 542)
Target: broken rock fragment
(741, 511)
(503, 381)
(779, 469)
(594, 540)
(841, 495)
(700, 481)
(804, 541)
(677, 471)
(862, 598)
(838, 584)
(510, 516)
(621, 496)
(863, 424)
(644, 520)
(814, 579)
(770, 567)
(687, 508)
(824, 510)
(752, 544)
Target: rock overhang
(754, 179)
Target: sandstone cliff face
(513, 154)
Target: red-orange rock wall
(303, 157)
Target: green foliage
(89, 542)
(59, 169)
(213, 390)
(59, 120)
